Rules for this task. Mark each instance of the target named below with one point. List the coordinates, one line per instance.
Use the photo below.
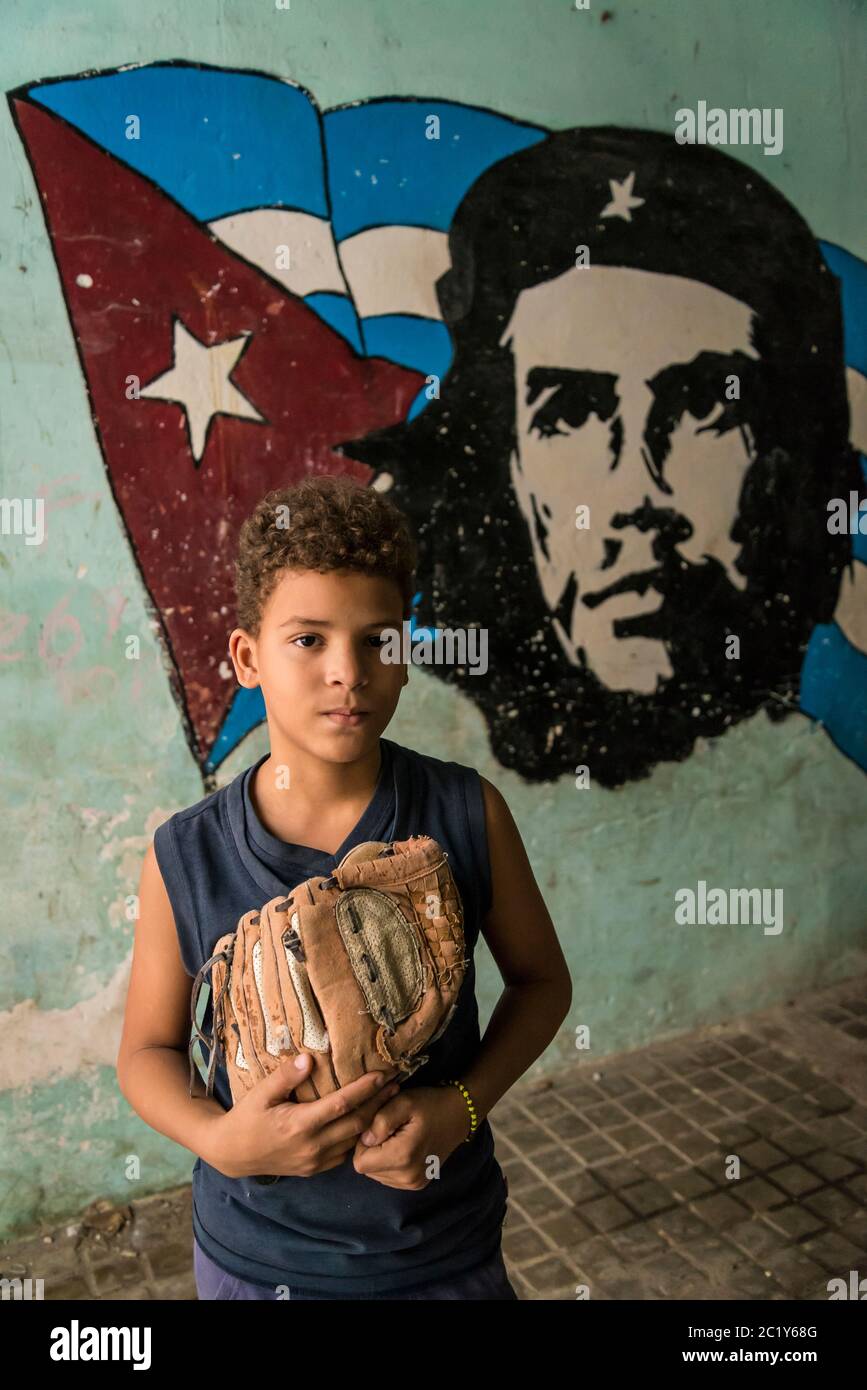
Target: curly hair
(323, 523)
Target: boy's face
(318, 650)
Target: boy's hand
(418, 1124)
(268, 1131)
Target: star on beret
(622, 200)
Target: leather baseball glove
(361, 970)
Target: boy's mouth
(348, 720)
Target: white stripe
(856, 387)
(392, 270)
(259, 236)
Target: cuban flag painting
(251, 283)
(207, 226)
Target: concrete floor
(617, 1175)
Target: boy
(352, 1213)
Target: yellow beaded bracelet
(474, 1119)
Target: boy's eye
(377, 639)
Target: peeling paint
(38, 1045)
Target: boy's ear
(242, 655)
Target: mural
(631, 460)
(608, 377)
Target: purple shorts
(487, 1280)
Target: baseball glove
(360, 970)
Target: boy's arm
(521, 936)
(152, 1061)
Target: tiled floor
(730, 1164)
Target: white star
(198, 381)
(621, 199)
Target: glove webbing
(217, 1020)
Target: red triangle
(131, 261)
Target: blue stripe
(834, 690)
(852, 274)
(384, 171)
(338, 311)
(424, 345)
(194, 122)
(246, 711)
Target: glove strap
(474, 1119)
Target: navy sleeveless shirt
(340, 1233)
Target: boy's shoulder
(209, 802)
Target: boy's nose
(351, 679)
